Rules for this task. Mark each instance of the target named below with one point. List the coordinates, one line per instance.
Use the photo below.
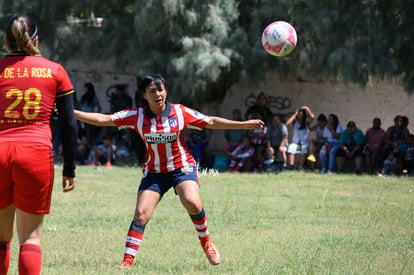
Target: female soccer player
(29, 87)
(168, 163)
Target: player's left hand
(255, 124)
(68, 184)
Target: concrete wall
(383, 98)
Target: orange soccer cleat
(212, 253)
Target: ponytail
(20, 32)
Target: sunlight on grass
(289, 223)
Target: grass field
(289, 223)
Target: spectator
(317, 143)
(83, 151)
(120, 100)
(104, 153)
(351, 145)
(259, 106)
(277, 137)
(300, 122)
(197, 143)
(90, 103)
(233, 136)
(241, 156)
(258, 139)
(374, 139)
(408, 163)
(395, 140)
(327, 154)
(390, 164)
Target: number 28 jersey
(29, 86)
(163, 135)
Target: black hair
(322, 118)
(89, 95)
(147, 80)
(335, 120)
(303, 123)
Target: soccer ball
(279, 38)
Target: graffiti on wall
(277, 104)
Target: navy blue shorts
(162, 182)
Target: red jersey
(29, 86)
(163, 135)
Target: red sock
(30, 259)
(133, 242)
(4, 257)
(200, 224)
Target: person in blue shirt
(351, 147)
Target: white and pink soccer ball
(279, 38)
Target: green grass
(289, 223)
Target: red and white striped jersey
(163, 135)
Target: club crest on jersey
(173, 122)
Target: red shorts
(26, 176)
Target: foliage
(204, 47)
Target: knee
(142, 216)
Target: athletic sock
(200, 224)
(30, 259)
(4, 257)
(133, 242)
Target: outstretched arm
(222, 123)
(96, 119)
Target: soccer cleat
(108, 164)
(93, 163)
(125, 265)
(213, 255)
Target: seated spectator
(277, 138)
(300, 122)
(104, 153)
(82, 154)
(395, 139)
(327, 154)
(408, 163)
(241, 156)
(316, 144)
(120, 101)
(351, 145)
(374, 138)
(233, 136)
(197, 142)
(259, 106)
(390, 165)
(258, 139)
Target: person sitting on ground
(233, 136)
(351, 145)
(241, 156)
(258, 139)
(104, 153)
(390, 165)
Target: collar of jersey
(22, 54)
(165, 113)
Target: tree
(204, 47)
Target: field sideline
(289, 223)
